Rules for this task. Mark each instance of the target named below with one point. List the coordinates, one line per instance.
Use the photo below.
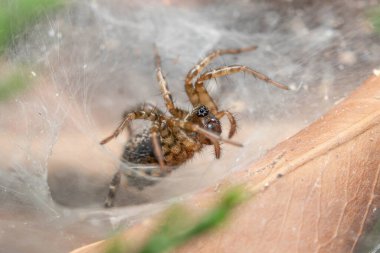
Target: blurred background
(68, 71)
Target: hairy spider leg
(189, 126)
(204, 97)
(114, 185)
(145, 115)
(140, 107)
(231, 119)
(154, 131)
(197, 69)
(217, 149)
(144, 107)
(173, 110)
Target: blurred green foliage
(117, 245)
(17, 15)
(374, 18)
(178, 227)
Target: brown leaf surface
(315, 192)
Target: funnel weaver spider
(174, 139)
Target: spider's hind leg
(114, 185)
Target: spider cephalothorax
(208, 121)
(174, 139)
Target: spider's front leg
(197, 69)
(231, 119)
(204, 97)
(176, 112)
(189, 126)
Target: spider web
(94, 59)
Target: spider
(174, 139)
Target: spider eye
(202, 111)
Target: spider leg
(204, 97)
(217, 149)
(145, 115)
(232, 120)
(148, 107)
(114, 185)
(189, 126)
(143, 107)
(191, 93)
(176, 112)
(116, 179)
(156, 144)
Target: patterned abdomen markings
(139, 152)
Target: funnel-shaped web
(93, 60)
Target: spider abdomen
(176, 147)
(139, 149)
